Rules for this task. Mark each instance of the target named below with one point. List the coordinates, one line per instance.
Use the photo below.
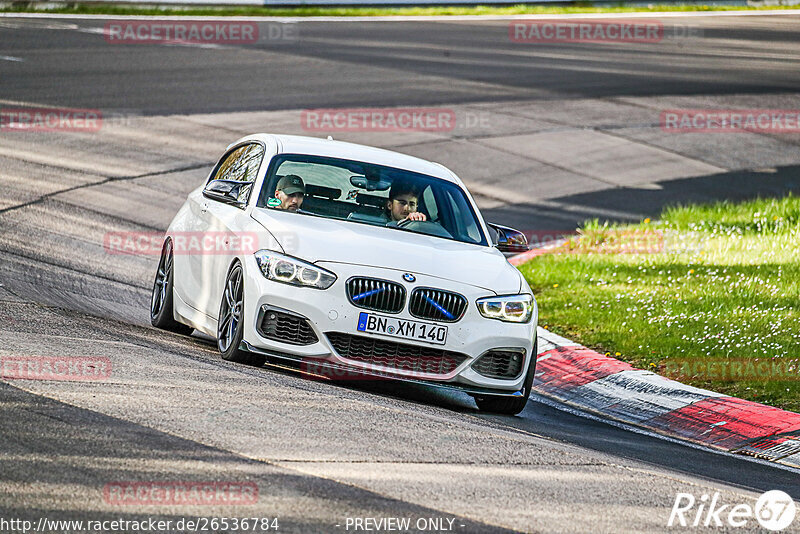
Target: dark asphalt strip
(389, 64)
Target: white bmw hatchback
(353, 262)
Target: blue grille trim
(376, 294)
(437, 305)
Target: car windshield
(365, 193)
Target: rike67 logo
(774, 510)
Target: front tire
(230, 326)
(161, 315)
(511, 405)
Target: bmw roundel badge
(408, 277)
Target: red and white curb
(591, 382)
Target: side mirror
(227, 191)
(507, 240)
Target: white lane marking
(423, 18)
(98, 31)
(190, 44)
(23, 104)
(105, 32)
(11, 58)
(30, 25)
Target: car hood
(317, 239)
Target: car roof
(297, 144)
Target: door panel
(213, 223)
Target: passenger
(403, 203)
(290, 191)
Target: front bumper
(330, 311)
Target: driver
(290, 191)
(403, 202)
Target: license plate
(402, 328)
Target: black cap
(291, 184)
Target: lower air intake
(503, 364)
(287, 328)
(399, 356)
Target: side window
(466, 227)
(241, 165)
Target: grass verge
(314, 11)
(708, 295)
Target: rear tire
(511, 405)
(161, 315)
(230, 326)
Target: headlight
(513, 309)
(292, 271)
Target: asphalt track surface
(321, 452)
(389, 64)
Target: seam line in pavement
(608, 130)
(611, 133)
(190, 119)
(112, 216)
(67, 268)
(95, 211)
(626, 101)
(555, 166)
(107, 179)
